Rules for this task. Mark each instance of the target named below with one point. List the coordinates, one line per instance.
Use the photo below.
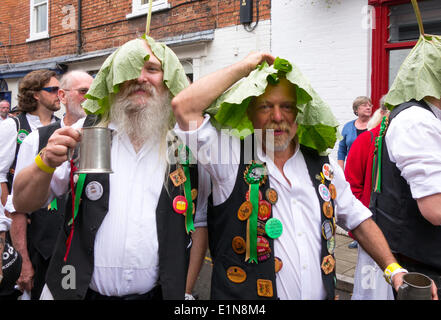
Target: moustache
(282, 126)
(146, 87)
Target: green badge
(273, 228)
(21, 135)
(255, 173)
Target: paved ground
(346, 259)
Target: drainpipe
(79, 40)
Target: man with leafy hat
(275, 194)
(407, 189)
(123, 238)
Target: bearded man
(272, 223)
(127, 241)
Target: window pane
(144, 2)
(403, 24)
(41, 18)
(396, 58)
(39, 1)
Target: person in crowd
(4, 110)
(406, 201)
(369, 282)
(36, 242)
(362, 108)
(127, 235)
(272, 219)
(38, 100)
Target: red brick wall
(105, 25)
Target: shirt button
(305, 266)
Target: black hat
(11, 269)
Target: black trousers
(40, 266)
(415, 266)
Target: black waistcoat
(174, 243)
(21, 123)
(224, 225)
(45, 224)
(397, 213)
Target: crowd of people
(263, 196)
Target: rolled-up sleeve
(414, 145)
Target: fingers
(26, 279)
(434, 291)
(58, 145)
(255, 58)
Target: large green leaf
(317, 124)
(126, 64)
(420, 74)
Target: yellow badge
(264, 288)
(328, 264)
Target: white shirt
(126, 244)
(298, 208)
(414, 144)
(5, 222)
(8, 134)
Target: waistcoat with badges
(23, 129)
(45, 223)
(174, 243)
(233, 277)
(397, 213)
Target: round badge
(324, 192)
(271, 195)
(263, 246)
(328, 210)
(94, 190)
(21, 135)
(236, 274)
(239, 245)
(332, 191)
(245, 211)
(264, 210)
(273, 228)
(194, 194)
(327, 230)
(328, 172)
(180, 204)
(255, 173)
(247, 195)
(278, 264)
(330, 244)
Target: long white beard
(142, 117)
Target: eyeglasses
(51, 89)
(82, 91)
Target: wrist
(41, 164)
(392, 270)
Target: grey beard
(142, 118)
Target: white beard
(142, 117)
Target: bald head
(73, 86)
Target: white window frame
(33, 34)
(139, 9)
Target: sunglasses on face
(51, 89)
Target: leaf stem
(418, 16)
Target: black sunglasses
(51, 89)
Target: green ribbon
(376, 169)
(54, 205)
(78, 192)
(254, 198)
(184, 160)
(189, 226)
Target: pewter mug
(416, 286)
(94, 150)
